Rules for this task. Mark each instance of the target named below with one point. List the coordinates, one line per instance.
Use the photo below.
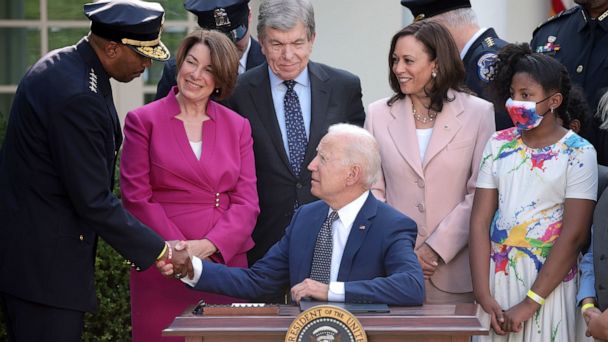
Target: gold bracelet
(535, 297)
(163, 251)
(587, 306)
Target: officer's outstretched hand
(176, 263)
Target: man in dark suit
(478, 46)
(348, 247)
(578, 38)
(56, 175)
(288, 123)
(231, 17)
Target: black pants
(27, 321)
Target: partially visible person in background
(592, 295)
(431, 134)
(57, 174)
(532, 211)
(578, 113)
(477, 45)
(578, 38)
(187, 170)
(232, 17)
(600, 119)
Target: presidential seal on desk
(325, 323)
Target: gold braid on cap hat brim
(135, 42)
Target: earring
(552, 109)
(434, 74)
(216, 91)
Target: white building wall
(355, 35)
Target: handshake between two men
(182, 262)
(346, 247)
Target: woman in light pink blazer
(431, 135)
(188, 172)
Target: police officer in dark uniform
(578, 38)
(229, 16)
(478, 46)
(56, 174)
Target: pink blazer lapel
(403, 132)
(195, 167)
(446, 127)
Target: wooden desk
(426, 323)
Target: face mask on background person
(523, 113)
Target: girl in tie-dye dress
(532, 210)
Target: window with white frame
(31, 28)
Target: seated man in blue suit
(365, 255)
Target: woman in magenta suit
(188, 172)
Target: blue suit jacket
(378, 265)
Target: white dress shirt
(340, 231)
(467, 46)
(243, 60)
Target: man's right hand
(180, 264)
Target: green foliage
(113, 320)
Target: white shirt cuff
(336, 291)
(197, 264)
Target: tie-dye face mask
(523, 113)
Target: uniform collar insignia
(603, 16)
(489, 41)
(93, 81)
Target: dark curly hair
(577, 108)
(548, 72)
(440, 46)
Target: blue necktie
(321, 259)
(296, 133)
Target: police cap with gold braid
(137, 24)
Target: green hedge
(113, 320)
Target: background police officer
(478, 46)
(56, 175)
(578, 38)
(229, 16)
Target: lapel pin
(361, 227)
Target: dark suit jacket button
(299, 185)
(601, 287)
(602, 257)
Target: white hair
(602, 111)
(360, 147)
(458, 17)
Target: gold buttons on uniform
(579, 69)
